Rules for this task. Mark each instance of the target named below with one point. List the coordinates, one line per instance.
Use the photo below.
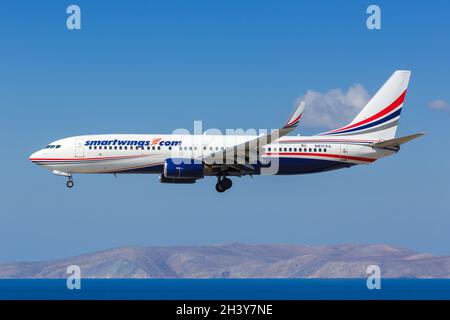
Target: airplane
(186, 158)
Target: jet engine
(179, 168)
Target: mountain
(240, 261)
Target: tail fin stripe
(398, 102)
(294, 122)
(379, 128)
(391, 116)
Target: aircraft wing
(242, 155)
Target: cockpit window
(53, 146)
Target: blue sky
(154, 66)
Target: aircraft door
(344, 152)
(79, 148)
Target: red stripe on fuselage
(81, 159)
(327, 140)
(326, 155)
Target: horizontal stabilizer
(395, 143)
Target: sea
(225, 289)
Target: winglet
(295, 118)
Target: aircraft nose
(35, 156)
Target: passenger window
(90, 147)
(269, 149)
(125, 148)
(310, 150)
(324, 150)
(148, 148)
(170, 148)
(320, 150)
(295, 149)
(153, 148)
(315, 150)
(159, 148)
(290, 149)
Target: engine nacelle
(163, 179)
(179, 168)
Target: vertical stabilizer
(378, 120)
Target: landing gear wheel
(226, 183)
(219, 187)
(223, 184)
(69, 184)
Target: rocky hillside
(240, 261)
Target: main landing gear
(223, 184)
(69, 182)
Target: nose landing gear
(69, 182)
(223, 184)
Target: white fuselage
(133, 153)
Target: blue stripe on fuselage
(306, 165)
(287, 166)
(149, 169)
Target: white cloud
(439, 104)
(333, 108)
